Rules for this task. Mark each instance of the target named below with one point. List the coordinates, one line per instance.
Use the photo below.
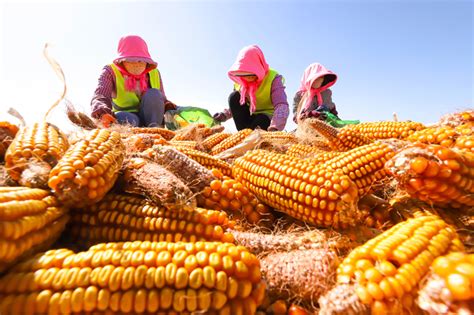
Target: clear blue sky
(410, 57)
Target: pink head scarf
(134, 48)
(250, 59)
(313, 72)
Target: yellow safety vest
(128, 101)
(263, 95)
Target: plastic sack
(184, 116)
(334, 121)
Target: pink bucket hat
(134, 48)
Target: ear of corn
(386, 129)
(339, 140)
(458, 118)
(444, 136)
(165, 133)
(231, 141)
(465, 143)
(387, 269)
(364, 165)
(151, 180)
(127, 218)
(449, 288)
(191, 172)
(188, 144)
(214, 140)
(306, 151)
(437, 175)
(30, 220)
(315, 194)
(7, 133)
(138, 277)
(33, 152)
(227, 194)
(141, 141)
(207, 160)
(88, 169)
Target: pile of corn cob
(159, 222)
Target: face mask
(135, 68)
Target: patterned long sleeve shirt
(104, 93)
(280, 104)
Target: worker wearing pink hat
(130, 90)
(259, 98)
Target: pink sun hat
(134, 48)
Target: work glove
(107, 120)
(170, 105)
(219, 117)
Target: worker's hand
(272, 128)
(107, 120)
(220, 117)
(170, 105)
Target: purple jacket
(104, 93)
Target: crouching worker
(314, 98)
(130, 90)
(259, 98)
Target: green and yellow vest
(128, 101)
(263, 94)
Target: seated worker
(130, 90)
(259, 98)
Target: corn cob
(231, 141)
(305, 151)
(141, 141)
(313, 193)
(385, 271)
(30, 218)
(193, 174)
(214, 140)
(127, 218)
(138, 277)
(184, 144)
(278, 137)
(7, 133)
(149, 179)
(375, 212)
(456, 119)
(207, 160)
(229, 195)
(196, 132)
(386, 129)
(437, 175)
(165, 133)
(465, 143)
(88, 169)
(444, 136)
(364, 165)
(339, 140)
(33, 152)
(449, 289)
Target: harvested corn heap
(229, 195)
(364, 165)
(231, 141)
(165, 133)
(339, 139)
(30, 221)
(208, 161)
(449, 288)
(137, 277)
(312, 193)
(127, 218)
(386, 129)
(213, 140)
(88, 169)
(437, 175)
(33, 152)
(141, 141)
(302, 275)
(150, 179)
(191, 172)
(383, 274)
(7, 133)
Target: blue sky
(414, 58)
